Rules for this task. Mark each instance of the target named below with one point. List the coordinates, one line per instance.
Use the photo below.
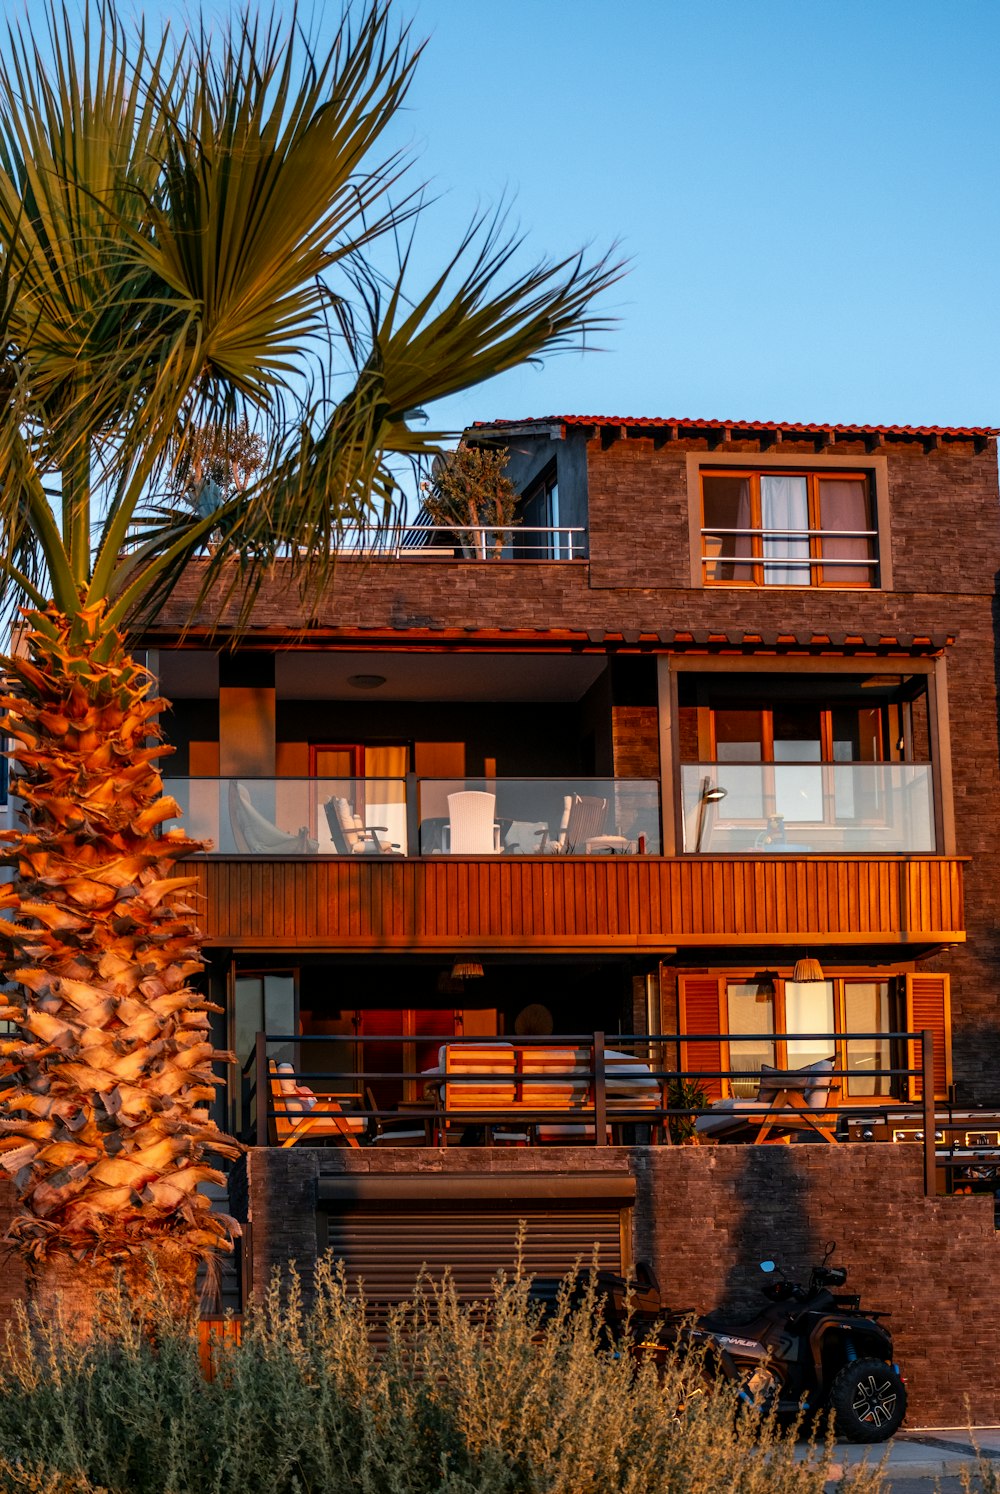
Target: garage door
(388, 1228)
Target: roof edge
(676, 428)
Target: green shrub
(448, 1400)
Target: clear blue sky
(809, 191)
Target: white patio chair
(472, 829)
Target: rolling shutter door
(388, 1240)
(699, 1012)
(928, 1004)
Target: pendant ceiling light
(466, 970)
(808, 970)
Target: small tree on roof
(470, 487)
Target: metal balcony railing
(583, 1087)
(483, 542)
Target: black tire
(868, 1399)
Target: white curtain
(809, 1008)
(784, 504)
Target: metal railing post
(927, 1095)
(262, 1087)
(413, 846)
(600, 1092)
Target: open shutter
(699, 1012)
(928, 1004)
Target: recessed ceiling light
(366, 681)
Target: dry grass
(456, 1402)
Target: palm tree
(193, 238)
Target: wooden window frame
(826, 763)
(874, 469)
(839, 979)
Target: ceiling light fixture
(808, 969)
(466, 970)
(366, 681)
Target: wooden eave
(466, 639)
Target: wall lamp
(711, 793)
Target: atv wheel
(868, 1398)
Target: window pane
(739, 738)
(867, 1009)
(784, 503)
(798, 791)
(844, 504)
(751, 1010)
(809, 1008)
(727, 506)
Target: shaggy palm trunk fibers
(105, 1127)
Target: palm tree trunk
(105, 1125)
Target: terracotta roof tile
(654, 422)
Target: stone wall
(706, 1216)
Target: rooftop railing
(584, 1088)
(467, 542)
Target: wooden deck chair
(584, 817)
(295, 1117)
(788, 1100)
(798, 1100)
(351, 836)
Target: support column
(246, 716)
(667, 719)
(939, 731)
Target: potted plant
(685, 1094)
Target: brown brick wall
(636, 741)
(706, 1216)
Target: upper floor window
(788, 528)
(544, 535)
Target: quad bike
(803, 1350)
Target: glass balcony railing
(530, 816)
(293, 816)
(799, 808)
(410, 817)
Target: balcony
(807, 808)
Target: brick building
(762, 656)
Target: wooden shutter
(928, 1004)
(699, 1006)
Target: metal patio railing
(625, 1086)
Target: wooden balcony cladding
(579, 903)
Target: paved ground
(920, 1461)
